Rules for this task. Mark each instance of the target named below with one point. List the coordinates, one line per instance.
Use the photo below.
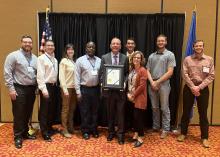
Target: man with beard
(160, 68)
(20, 77)
(87, 90)
(198, 73)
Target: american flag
(47, 34)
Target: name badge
(205, 69)
(94, 72)
(30, 69)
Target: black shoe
(121, 139)
(18, 143)
(95, 134)
(47, 138)
(121, 142)
(110, 137)
(52, 132)
(30, 137)
(137, 144)
(85, 136)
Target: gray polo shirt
(158, 63)
(20, 68)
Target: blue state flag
(192, 36)
(189, 46)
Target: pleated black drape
(101, 28)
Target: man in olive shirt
(130, 46)
(198, 73)
(20, 78)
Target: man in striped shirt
(198, 73)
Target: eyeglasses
(136, 57)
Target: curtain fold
(101, 28)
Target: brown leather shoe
(205, 143)
(181, 138)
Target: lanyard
(28, 59)
(51, 61)
(93, 65)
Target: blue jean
(160, 101)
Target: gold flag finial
(47, 11)
(195, 9)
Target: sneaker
(181, 138)
(163, 134)
(205, 143)
(66, 134)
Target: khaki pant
(68, 109)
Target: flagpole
(195, 10)
(38, 31)
(188, 51)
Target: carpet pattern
(153, 146)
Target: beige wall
(20, 17)
(17, 18)
(216, 108)
(206, 14)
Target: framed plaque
(113, 77)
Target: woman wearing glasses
(137, 94)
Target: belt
(156, 79)
(20, 85)
(51, 84)
(83, 86)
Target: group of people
(82, 81)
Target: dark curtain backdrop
(101, 28)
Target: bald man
(115, 99)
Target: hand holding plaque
(113, 77)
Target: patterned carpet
(153, 146)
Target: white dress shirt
(47, 71)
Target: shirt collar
(25, 53)
(88, 57)
(129, 54)
(194, 56)
(159, 53)
(112, 54)
(50, 56)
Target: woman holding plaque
(66, 77)
(137, 94)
